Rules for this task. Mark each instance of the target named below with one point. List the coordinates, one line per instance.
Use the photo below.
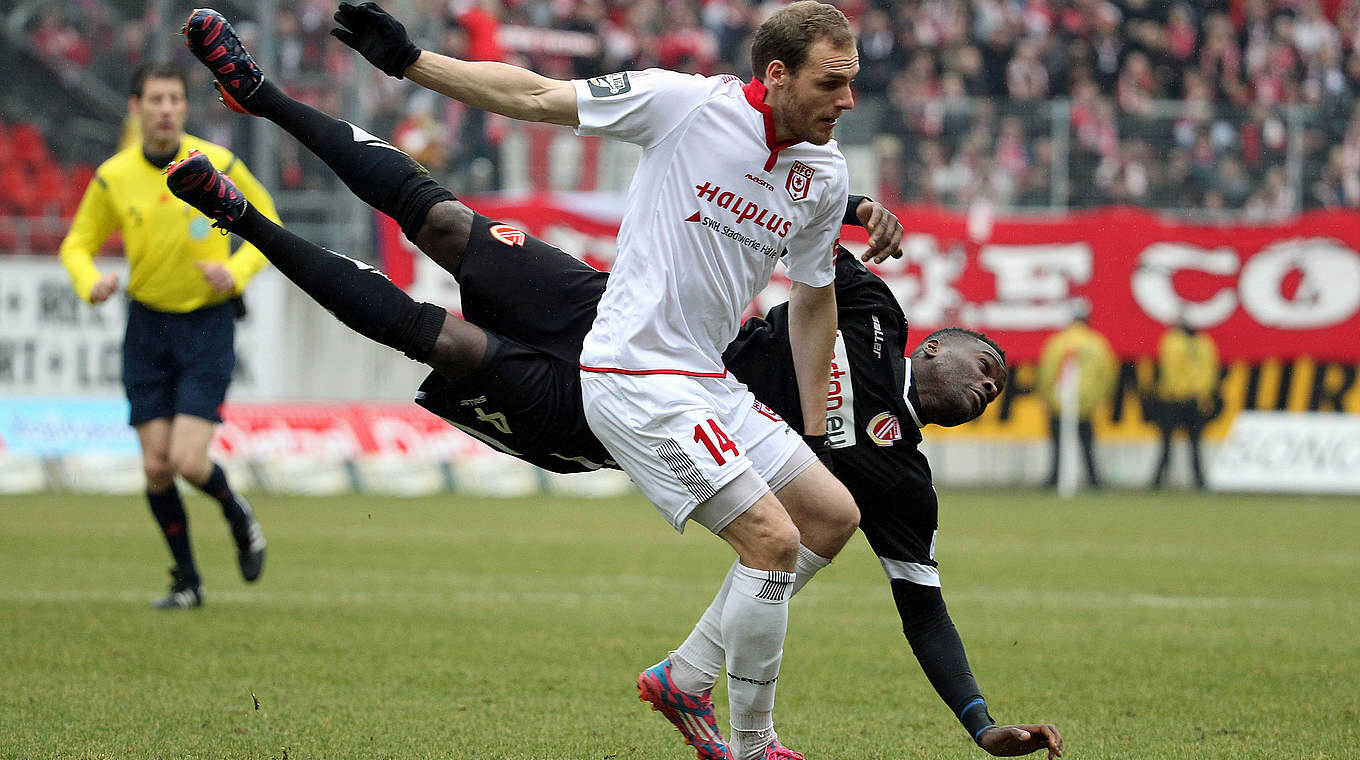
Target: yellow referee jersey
(163, 237)
(1187, 367)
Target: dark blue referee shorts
(178, 363)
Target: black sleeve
(938, 648)
(851, 218)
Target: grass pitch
(1143, 625)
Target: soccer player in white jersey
(733, 178)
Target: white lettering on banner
(1155, 293)
(1295, 280)
(51, 342)
(1033, 285)
(54, 344)
(930, 298)
(1328, 292)
(1289, 452)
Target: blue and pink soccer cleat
(692, 715)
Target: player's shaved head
(958, 333)
(789, 33)
(957, 373)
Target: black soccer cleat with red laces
(198, 183)
(215, 44)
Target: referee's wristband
(975, 718)
(852, 210)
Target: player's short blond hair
(787, 35)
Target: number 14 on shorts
(717, 443)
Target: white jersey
(713, 206)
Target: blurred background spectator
(1244, 109)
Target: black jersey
(871, 417)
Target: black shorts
(178, 363)
(536, 304)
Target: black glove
(821, 446)
(377, 36)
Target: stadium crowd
(1249, 108)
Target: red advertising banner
(1278, 291)
(338, 431)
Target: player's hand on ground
(219, 277)
(105, 287)
(377, 36)
(885, 231)
(1013, 741)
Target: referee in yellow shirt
(178, 351)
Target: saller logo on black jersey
(609, 85)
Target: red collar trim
(755, 95)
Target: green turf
(1144, 626)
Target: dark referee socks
(168, 510)
(216, 486)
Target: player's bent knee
(764, 536)
(158, 474)
(190, 465)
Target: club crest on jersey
(507, 234)
(609, 85)
(800, 179)
(884, 429)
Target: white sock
(749, 745)
(754, 622)
(809, 562)
(695, 665)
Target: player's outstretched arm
(939, 650)
(1013, 741)
(491, 86)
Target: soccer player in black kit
(515, 384)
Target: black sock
(379, 174)
(216, 486)
(169, 513)
(356, 293)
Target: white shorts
(681, 439)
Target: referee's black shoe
(185, 592)
(250, 542)
(215, 44)
(198, 183)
